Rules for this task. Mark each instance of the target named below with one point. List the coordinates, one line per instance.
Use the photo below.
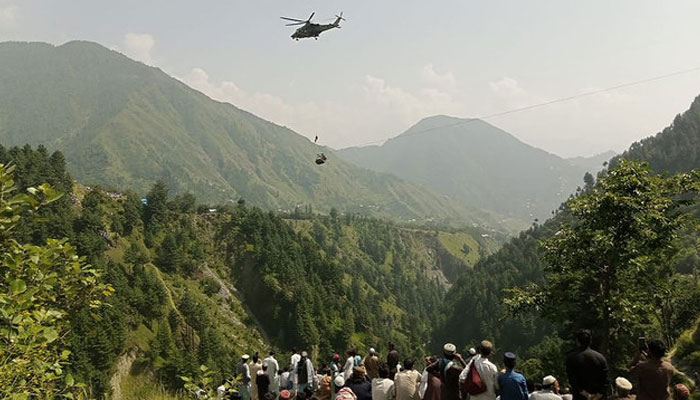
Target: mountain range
(477, 163)
(123, 124)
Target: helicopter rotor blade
(312, 15)
(296, 23)
(293, 19)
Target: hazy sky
(395, 62)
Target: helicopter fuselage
(311, 30)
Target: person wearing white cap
(448, 369)
(485, 369)
(303, 373)
(623, 387)
(549, 389)
(243, 372)
(371, 363)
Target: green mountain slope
(480, 292)
(124, 124)
(195, 287)
(477, 163)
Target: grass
(143, 387)
(456, 243)
(140, 337)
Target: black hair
(509, 362)
(657, 348)
(584, 337)
(408, 363)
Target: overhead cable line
(539, 105)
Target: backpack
(473, 384)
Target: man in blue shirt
(512, 384)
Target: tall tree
(155, 212)
(609, 268)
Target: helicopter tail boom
(338, 18)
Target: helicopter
(310, 29)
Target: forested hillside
(474, 307)
(477, 163)
(192, 281)
(123, 124)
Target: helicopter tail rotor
(338, 18)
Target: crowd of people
(452, 376)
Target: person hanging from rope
(320, 159)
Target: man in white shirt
(549, 385)
(295, 358)
(349, 364)
(383, 387)
(486, 369)
(273, 368)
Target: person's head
(384, 371)
(264, 366)
(509, 360)
(358, 374)
(408, 364)
(622, 386)
(449, 350)
(339, 381)
(372, 351)
(566, 390)
(352, 351)
(549, 382)
(245, 358)
(255, 358)
(272, 352)
(294, 350)
(485, 348)
(304, 354)
(390, 345)
(584, 338)
(681, 392)
(285, 394)
(657, 348)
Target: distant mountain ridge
(124, 124)
(475, 162)
(593, 163)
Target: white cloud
(9, 16)
(507, 88)
(139, 46)
(445, 81)
(379, 112)
(406, 106)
